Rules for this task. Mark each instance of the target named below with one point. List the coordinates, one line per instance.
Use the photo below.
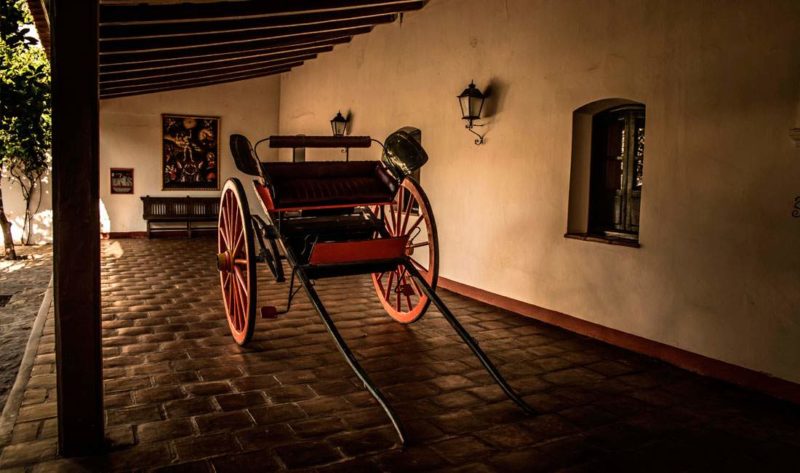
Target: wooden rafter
(42, 21)
(151, 29)
(125, 92)
(191, 80)
(313, 47)
(223, 10)
(235, 37)
(199, 68)
(207, 72)
(216, 49)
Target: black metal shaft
(348, 355)
(471, 343)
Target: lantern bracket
(479, 140)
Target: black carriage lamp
(471, 102)
(338, 124)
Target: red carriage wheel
(236, 261)
(409, 214)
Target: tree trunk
(6, 226)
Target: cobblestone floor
(181, 396)
(26, 281)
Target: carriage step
(269, 312)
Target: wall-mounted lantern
(338, 124)
(471, 102)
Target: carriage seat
(329, 183)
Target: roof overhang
(168, 45)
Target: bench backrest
(180, 207)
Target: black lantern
(471, 102)
(338, 124)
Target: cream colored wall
(14, 207)
(718, 272)
(130, 136)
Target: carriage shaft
(341, 344)
(471, 343)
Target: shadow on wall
(496, 93)
(42, 224)
(41, 206)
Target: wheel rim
(400, 296)
(235, 261)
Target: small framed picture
(121, 180)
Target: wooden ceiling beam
(155, 55)
(166, 88)
(313, 47)
(41, 20)
(236, 37)
(167, 29)
(118, 13)
(169, 80)
(122, 78)
(207, 66)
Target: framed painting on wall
(122, 180)
(190, 152)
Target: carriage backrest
(244, 156)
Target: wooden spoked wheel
(236, 261)
(409, 214)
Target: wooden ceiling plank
(167, 80)
(242, 67)
(41, 19)
(215, 11)
(238, 37)
(316, 47)
(226, 48)
(205, 66)
(149, 29)
(166, 88)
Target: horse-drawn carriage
(329, 219)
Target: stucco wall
(130, 137)
(718, 272)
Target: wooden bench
(179, 209)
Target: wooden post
(76, 218)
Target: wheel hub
(224, 262)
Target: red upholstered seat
(325, 183)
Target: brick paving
(25, 281)
(181, 396)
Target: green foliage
(15, 21)
(24, 93)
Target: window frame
(614, 200)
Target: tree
(24, 109)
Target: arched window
(606, 178)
